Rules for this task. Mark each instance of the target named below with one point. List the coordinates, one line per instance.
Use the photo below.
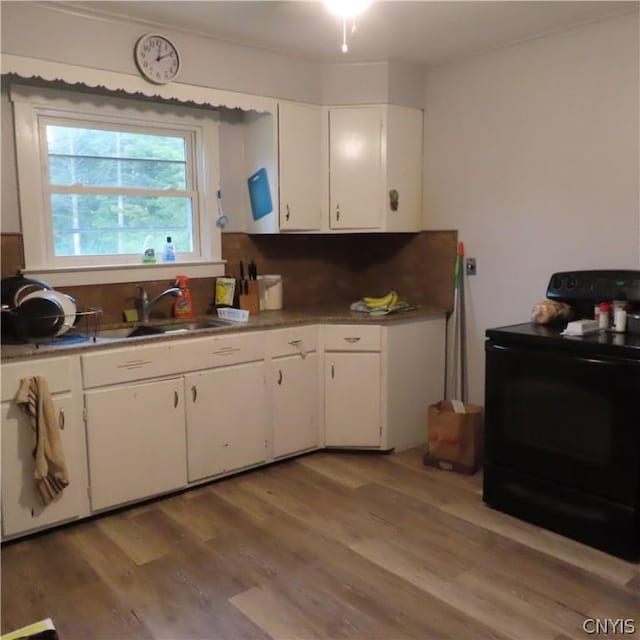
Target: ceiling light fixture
(347, 10)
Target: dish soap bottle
(169, 253)
(183, 306)
(148, 252)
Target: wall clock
(157, 58)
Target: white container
(620, 321)
(270, 291)
(236, 315)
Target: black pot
(14, 288)
(37, 318)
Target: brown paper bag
(455, 439)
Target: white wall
(10, 217)
(532, 153)
(41, 31)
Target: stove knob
(556, 283)
(571, 283)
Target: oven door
(565, 418)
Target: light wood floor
(330, 545)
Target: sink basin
(163, 329)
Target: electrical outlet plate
(470, 266)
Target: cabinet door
(355, 168)
(294, 381)
(21, 506)
(299, 134)
(352, 400)
(136, 441)
(226, 419)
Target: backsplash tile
(315, 269)
(325, 268)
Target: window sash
(95, 121)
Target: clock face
(157, 58)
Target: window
(112, 179)
(112, 190)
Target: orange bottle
(183, 306)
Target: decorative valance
(75, 75)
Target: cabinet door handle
(280, 376)
(337, 212)
(61, 419)
(333, 372)
(175, 399)
(352, 340)
(287, 215)
(194, 392)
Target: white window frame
(35, 106)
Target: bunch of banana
(384, 302)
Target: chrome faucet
(145, 305)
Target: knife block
(251, 301)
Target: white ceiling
(421, 31)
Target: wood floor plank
(144, 537)
(476, 604)
(327, 465)
(330, 545)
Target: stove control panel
(595, 286)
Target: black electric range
(562, 420)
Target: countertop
(337, 313)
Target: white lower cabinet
(227, 418)
(352, 400)
(136, 441)
(22, 510)
(295, 392)
(160, 416)
(380, 381)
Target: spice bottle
(604, 317)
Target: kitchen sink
(163, 329)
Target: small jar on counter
(620, 320)
(604, 315)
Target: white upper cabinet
(355, 168)
(300, 166)
(344, 169)
(375, 168)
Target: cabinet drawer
(129, 363)
(57, 371)
(352, 337)
(291, 341)
(220, 351)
